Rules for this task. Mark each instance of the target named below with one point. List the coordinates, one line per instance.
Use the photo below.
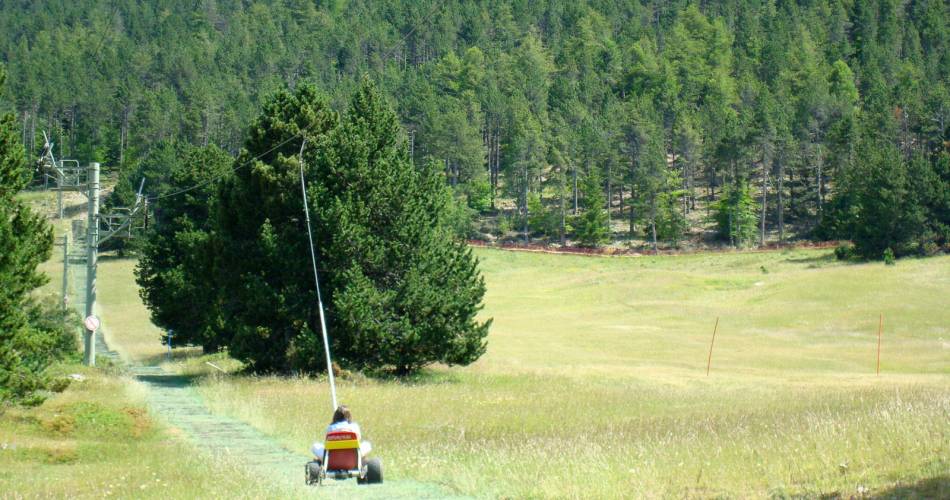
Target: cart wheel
(374, 471)
(313, 472)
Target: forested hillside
(770, 120)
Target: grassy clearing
(97, 440)
(783, 314)
(594, 384)
(126, 323)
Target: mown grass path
(173, 398)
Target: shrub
(735, 214)
(671, 224)
(889, 258)
(504, 225)
(844, 251)
(478, 194)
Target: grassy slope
(97, 439)
(594, 383)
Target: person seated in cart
(342, 422)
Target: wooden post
(709, 359)
(880, 328)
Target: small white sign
(91, 323)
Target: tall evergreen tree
(176, 268)
(26, 240)
(400, 290)
(262, 275)
(404, 292)
(591, 224)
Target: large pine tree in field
(404, 291)
(262, 263)
(401, 291)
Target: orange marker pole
(880, 327)
(709, 360)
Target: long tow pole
(316, 278)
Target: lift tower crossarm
(126, 219)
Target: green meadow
(594, 385)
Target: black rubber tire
(313, 472)
(374, 471)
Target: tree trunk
(26, 117)
(525, 204)
(497, 159)
(764, 204)
(778, 205)
(692, 187)
(491, 166)
(653, 222)
(791, 191)
(33, 127)
(620, 187)
(540, 189)
(631, 214)
(608, 194)
(574, 170)
(123, 134)
(561, 230)
(72, 128)
(732, 240)
(818, 182)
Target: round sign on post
(91, 323)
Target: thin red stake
(880, 327)
(709, 360)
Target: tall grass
(594, 383)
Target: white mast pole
(316, 279)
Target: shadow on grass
(827, 258)
(424, 376)
(70, 211)
(934, 487)
(168, 380)
(178, 354)
(110, 256)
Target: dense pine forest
(578, 122)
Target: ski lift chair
(342, 460)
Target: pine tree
(401, 290)
(262, 274)
(176, 269)
(26, 240)
(649, 175)
(591, 225)
(885, 209)
(404, 292)
(735, 214)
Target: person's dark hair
(342, 414)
